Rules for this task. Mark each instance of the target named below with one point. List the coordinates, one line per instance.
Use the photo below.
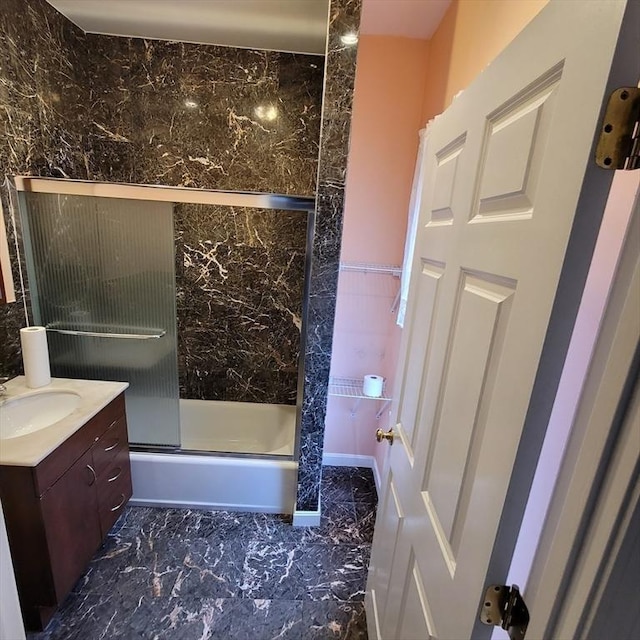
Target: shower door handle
(100, 334)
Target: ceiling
(282, 25)
(408, 18)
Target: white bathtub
(223, 482)
(237, 427)
(213, 482)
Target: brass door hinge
(504, 606)
(619, 142)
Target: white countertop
(32, 448)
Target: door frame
(589, 508)
(587, 511)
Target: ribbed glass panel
(105, 265)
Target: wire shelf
(358, 282)
(380, 269)
(352, 388)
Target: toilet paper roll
(35, 356)
(372, 386)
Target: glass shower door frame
(159, 193)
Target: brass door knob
(381, 435)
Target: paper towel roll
(35, 356)
(372, 386)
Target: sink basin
(34, 411)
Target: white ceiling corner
(408, 18)
(282, 25)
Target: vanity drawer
(111, 445)
(119, 466)
(114, 491)
(63, 457)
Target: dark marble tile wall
(334, 148)
(125, 109)
(189, 115)
(240, 279)
(43, 96)
(115, 109)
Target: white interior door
(508, 168)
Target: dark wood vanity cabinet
(58, 512)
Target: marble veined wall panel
(203, 116)
(124, 109)
(43, 97)
(240, 279)
(344, 17)
(130, 110)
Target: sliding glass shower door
(102, 278)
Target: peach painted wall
(471, 34)
(387, 110)
(387, 107)
(400, 84)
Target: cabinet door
(70, 513)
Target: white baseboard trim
(376, 476)
(353, 460)
(306, 518)
(347, 460)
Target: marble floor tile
(339, 620)
(338, 524)
(188, 523)
(184, 573)
(133, 518)
(365, 521)
(175, 566)
(336, 485)
(274, 570)
(305, 572)
(208, 569)
(363, 486)
(119, 617)
(110, 558)
(335, 572)
(273, 528)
